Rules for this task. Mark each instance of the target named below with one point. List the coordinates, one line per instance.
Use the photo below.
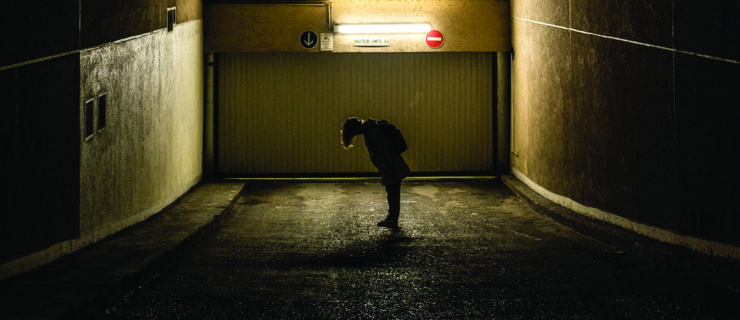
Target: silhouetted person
(385, 156)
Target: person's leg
(394, 200)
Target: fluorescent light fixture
(384, 28)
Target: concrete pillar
(503, 115)
(209, 163)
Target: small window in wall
(89, 119)
(101, 111)
(171, 15)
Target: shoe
(388, 223)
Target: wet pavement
(464, 250)
(467, 249)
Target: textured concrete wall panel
(708, 27)
(556, 12)
(188, 10)
(33, 30)
(150, 151)
(40, 156)
(645, 129)
(623, 148)
(647, 21)
(542, 99)
(261, 28)
(111, 20)
(66, 192)
(470, 25)
(707, 110)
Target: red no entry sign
(435, 39)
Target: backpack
(396, 142)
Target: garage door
(281, 113)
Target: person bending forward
(391, 165)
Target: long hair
(350, 129)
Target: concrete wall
(67, 191)
(277, 28)
(626, 110)
(150, 151)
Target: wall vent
(89, 119)
(171, 18)
(101, 111)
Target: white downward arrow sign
(308, 41)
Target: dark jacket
(391, 165)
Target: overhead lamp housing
(383, 28)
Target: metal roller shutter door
(280, 113)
